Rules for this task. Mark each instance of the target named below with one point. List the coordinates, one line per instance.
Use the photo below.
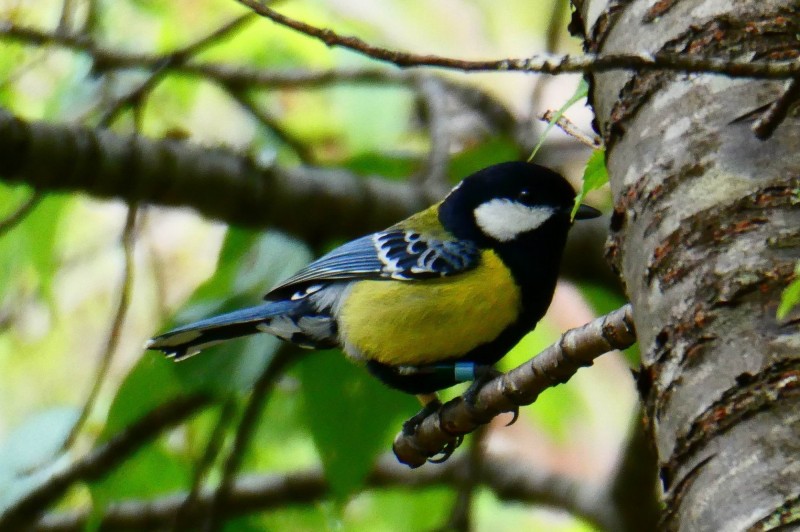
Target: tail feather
(190, 339)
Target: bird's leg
(430, 403)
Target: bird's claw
(447, 451)
(515, 411)
(471, 395)
(411, 424)
(410, 428)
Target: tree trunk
(705, 235)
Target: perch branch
(521, 386)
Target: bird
(434, 300)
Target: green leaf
(249, 263)
(150, 383)
(581, 91)
(28, 455)
(595, 176)
(790, 297)
(352, 417)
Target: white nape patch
(505, 219)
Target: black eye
(524, 194)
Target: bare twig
(554, 28)
(303, 152)
(100, 461)
(186, 516)
(521, 386)
(138, 93)
(461, 513)
(112, 340)
(435, 100)
(545, 64)
(766, 125)
(65, 19)
(244, 432)
(568, 127)
(235, 75)
(509, 479)
(15, 218)
(633, 484)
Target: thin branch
(568, 127)
(509, 479)
(554, 28)
(544, 64)
(135, 96)
(65, 19)
(112, 340)
(434, 96)
(236, 75)
(766, 125)
(303, 152)
(186, 516)
(15, 218)
(244, 433)
(577, 348)
(461, 513)
(101, 460)
(633, 484)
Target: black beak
(585, 212)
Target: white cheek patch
(505, 219)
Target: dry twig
(543, 64)
(567, 126)
(766, 125)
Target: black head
(508, 202)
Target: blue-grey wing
(391, 254)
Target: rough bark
(705, 235)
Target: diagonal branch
(15, 218)
(101, 460)
(112, 340)
(245, 430)
(766, 125)
(178, 57)
(544, 64)
(507, 478)
(577, 348)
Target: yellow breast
(422, 322)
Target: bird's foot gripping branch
(521, 386)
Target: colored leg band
(464, 371)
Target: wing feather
(396, 253)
